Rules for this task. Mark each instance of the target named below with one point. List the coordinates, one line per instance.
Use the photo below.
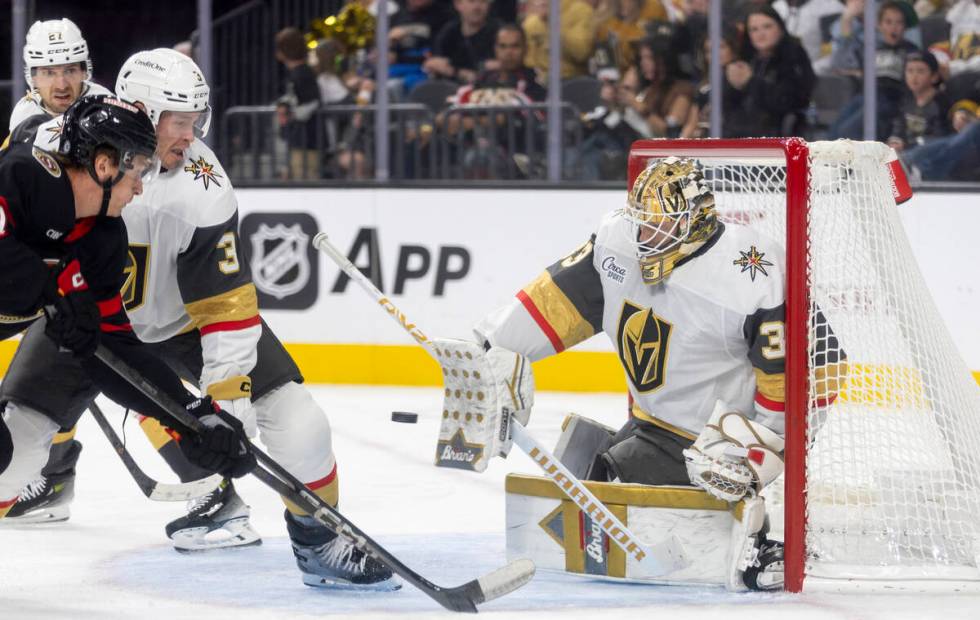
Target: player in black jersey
(63, 248)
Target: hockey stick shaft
(461, 598)
(157, 491)
(660, 559)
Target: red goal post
(865, 511)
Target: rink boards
(447, 257)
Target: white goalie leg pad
(744, 548)
(733, 456)
(296, 432)
(484, 391)
(31, 434)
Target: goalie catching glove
(484, 392)
(734, 456)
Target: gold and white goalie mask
(671, 214)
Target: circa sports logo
(613, 270)
(282, 260)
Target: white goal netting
(893, 446)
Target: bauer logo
(283, 262)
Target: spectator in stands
(464, 44)
(955, 156)
(768, 90)
(610, 129)
(699, 118)
(577, 37)
(298, 105)
(923, 113)
(665, 97)
(412, 34)
(487, 144)
(964, 37)
(810, 21)
(626, 26)
(894, 17)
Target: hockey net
(882, 478)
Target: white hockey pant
(296, 432)
(31, 435)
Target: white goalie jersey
(184, 271)
(712, 330)
(32, 105)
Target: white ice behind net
(893, 467)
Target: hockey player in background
(59, 71)
(63, 248)
(695, 310)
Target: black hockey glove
(221, 446)
(73, 316)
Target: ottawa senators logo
(642, 338)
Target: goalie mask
(670, 211)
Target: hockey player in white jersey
(190, 293)
(695, 311)
(58, 69)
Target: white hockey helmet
(164, 80)
(55, 42)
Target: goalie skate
(217, 520)
(328, 561)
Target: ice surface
(111, 559)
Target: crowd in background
(635, 69)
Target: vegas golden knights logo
(134, 287)
(642, 338)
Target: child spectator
(577, 37)
(666, 99)
(955, 156)
(894, 17)
(768, 91)
(922, 115)
(464, 44)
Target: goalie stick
(461, 598)
(157, 491)
(659, 559)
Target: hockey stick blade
(463, 598)
(156, 491)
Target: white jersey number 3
(229, 264)
(774, 331)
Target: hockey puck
(404, 416)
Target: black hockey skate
(766, 573)
(218, 520)
(328, 561)
(48, 498)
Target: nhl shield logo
(280, 261)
